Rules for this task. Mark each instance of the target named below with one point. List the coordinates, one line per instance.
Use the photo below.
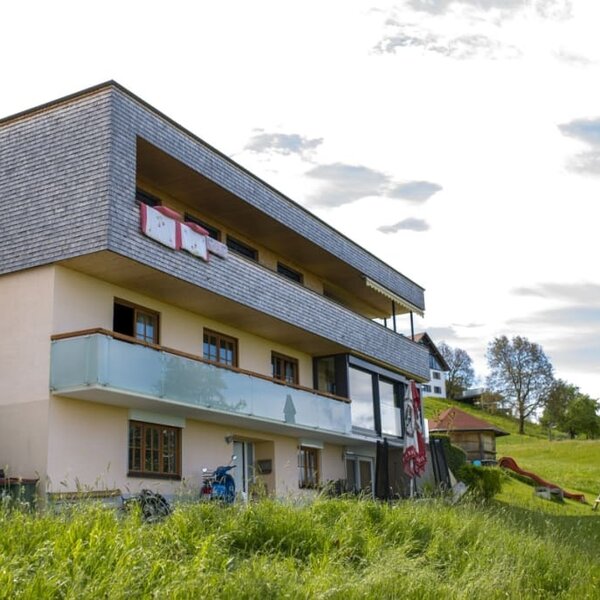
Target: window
(359, 474)
(154, 450)
(213, 232)
(437, 390)
(436, 375)
(434, 363)
(285, 368)
(146, 198)
(361, 393)
(241, 248)
(308, 467)
(135, 321)
(427, 388)
(289, 273)
(220, 348)
(391, 408)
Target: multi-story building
(438, 367)
(161, 308)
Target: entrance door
(359, 474)
(243, 474)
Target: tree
(522, 373)
(581, 416)
(559, 398)
(461, 375)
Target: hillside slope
(571, 464)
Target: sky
(457, 140)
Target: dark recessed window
(135, 321)
(146, 198)
(154, 450)
(289, 273)
(285, 368)
(241, 248)
(213, 232)
(220, 348)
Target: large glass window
(220, 348)
(154, 450)
(361, 394)
(391, 408)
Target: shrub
(483, 482)
(455, 456)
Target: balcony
(104, 367)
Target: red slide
(509, 463)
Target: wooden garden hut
(475, 436)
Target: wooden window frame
(290, 273)
(276, 356)
(139, 309)
(308, 467)
(226, 338)
(160, 474)
(242, 248)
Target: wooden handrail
(133, 340)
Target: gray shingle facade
(67, 188)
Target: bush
(483, 482)
(455, 456)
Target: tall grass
(341, 548)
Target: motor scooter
(218, 484)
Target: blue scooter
(218, 484)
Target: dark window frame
(290, 273)
(142, 450)
(138, 309)
(213, 232)
(145, 197)
(242, 248)
(220, 337)
(308, 467)
(283, 360)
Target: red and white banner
(194, 240)
(414, 457)
(161, 227)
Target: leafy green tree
(559, 398)
(522, 373)
(581, 416)
(461, 374)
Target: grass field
(340, 548)
(515, 546)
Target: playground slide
(509, 463)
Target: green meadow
(515, 546)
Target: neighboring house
(475, 436)
(436, 386)
(161, 308)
